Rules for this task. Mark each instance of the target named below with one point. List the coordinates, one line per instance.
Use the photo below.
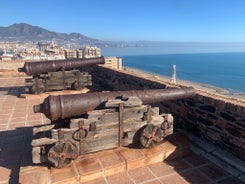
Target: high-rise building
(113, 62)
(89, 52)
(69, 54)
(79, 53)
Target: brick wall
(213, 117)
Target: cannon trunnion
(113, 119)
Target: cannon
(53, 75)
(102, 120)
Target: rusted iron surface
(151, 135)
(41, 67)
(66, 106)
(61, 154)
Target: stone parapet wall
(110, 79)
(217, 118)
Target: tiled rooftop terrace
(128, 166)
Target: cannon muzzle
(42, 67)
(66, 106)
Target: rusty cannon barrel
(41, 67)
(66, 106)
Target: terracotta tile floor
(16, 121)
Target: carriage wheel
(62, 153)
(150, 136)
(38, 86)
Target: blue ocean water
(217, 64)
(222, 69)
(226, 70)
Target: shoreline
(200, 86)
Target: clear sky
(132, 20)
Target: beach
(198, 86)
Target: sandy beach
(199, 86)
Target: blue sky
(131, 20)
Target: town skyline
(174, 21)
(25, 37)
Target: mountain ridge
(26, 33)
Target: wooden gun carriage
(102, 120)
(54, 75)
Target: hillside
(28, 33)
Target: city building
(79, 53)
(69, 54)
(45, 51)
(113, 62)
(89, 52)
(43, 46)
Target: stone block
(64, 175)
(178, 165)
(140, 175)
(120, 178)
(134, 158)
(219, 104)
(195, 160)
(181, 142)
(234, 162)
(170, 151)
(222, 124)
(153, 155)
(34, 175)
(112, 162)
(199, 97)
(161, 169)
(195, 176)
(212, 172)
(88, 167)
(175, 178)
(231, 107)
(97, 181)
(5, 174)
(241, 110)
(207, 100)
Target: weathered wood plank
(74, 123)
(129, 113)
(130, 102)
(68, 134)
(97, 144)
(43, 128)
(43, 141)
(156, 120)
(36, 157)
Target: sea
(224, 69)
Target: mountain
(23, 32)
(27, 33)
